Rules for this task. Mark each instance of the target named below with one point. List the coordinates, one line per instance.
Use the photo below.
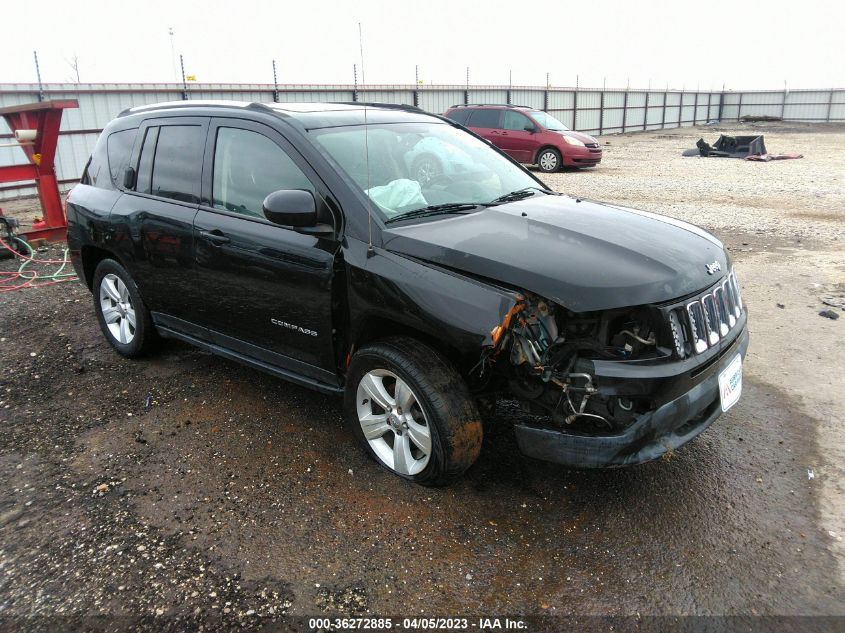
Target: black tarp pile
(746, 147)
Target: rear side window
(145, 164)
(459, 116)
(119, 148)
(176, 167)
(247, 167)
(485, 118)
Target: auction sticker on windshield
(730, 383)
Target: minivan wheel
(412, 412)
(123, 317)
(425, 169)
(549, 160)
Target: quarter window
(119, 149)
(247, 167)
(487, 118)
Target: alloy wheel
(393, 422)
(118, 311)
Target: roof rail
(498, 105)
(392, 106)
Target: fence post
(184, 83)
(829, 105)
(663, 117)
(681, 108)
(625, 111)
(739, 108)
(417, 86)
(38, 74)
(355, 77)
(601, 113)
(546, 95)
(575, 108)
(783, 103)
(275, 84)
(709, 103)
(645, 116)
(695, 111)
(721, 103)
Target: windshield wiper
(436, 209)
(519, 194)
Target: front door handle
(216, 237)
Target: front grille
(706, 319)
(591, 144)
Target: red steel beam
(46, 118)
(14, 173)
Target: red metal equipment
(44, 117)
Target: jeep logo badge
(713, 268)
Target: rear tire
(437, 436)
(549, 160)
(123, 317)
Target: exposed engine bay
(544, 354)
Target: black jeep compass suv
(294, 238)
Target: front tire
(412, 412)
(123, 317)
(549, 160)
(426, 169)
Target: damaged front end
(619, 386)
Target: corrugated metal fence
(594, 111)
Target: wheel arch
(91, 257)
(375, 328)
(545, 147)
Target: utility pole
(172, 53)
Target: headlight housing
(571, 140)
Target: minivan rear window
(459, 116)
(485, 118)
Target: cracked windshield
(417, 166)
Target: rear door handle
(215, 236)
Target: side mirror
(530, 128)
(291, 207)
(129, 178)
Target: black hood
(582, 255)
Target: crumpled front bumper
(666, 428)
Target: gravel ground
(789, 199)
(185, 490)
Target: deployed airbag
(397, 195)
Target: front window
(247, 167)
(415, 166)
(548, 121)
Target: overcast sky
(745, 44)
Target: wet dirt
(188, 488)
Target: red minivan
(529, 136)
